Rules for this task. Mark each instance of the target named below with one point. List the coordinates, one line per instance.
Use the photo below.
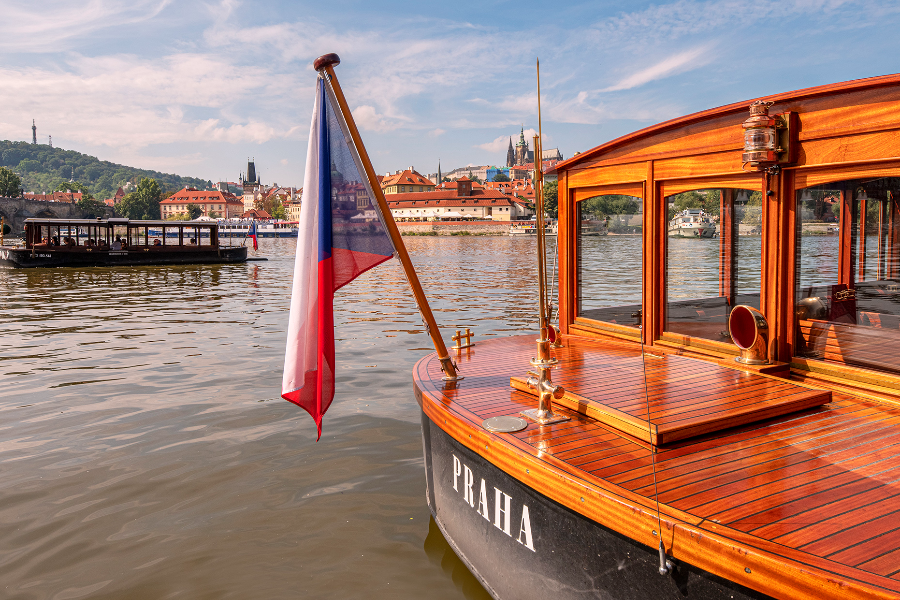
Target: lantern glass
(759, 139)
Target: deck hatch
(688, 397)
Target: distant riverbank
(434, 228)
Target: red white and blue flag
(341, 236)
(251, 232)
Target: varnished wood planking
(538, 450)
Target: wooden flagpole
(327, 63)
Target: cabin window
(610, 259)
(847, 301)
(713, 253)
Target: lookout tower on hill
(33, 132)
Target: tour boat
(113, 242)
(240, 229)
(740, 438)
(692, 222)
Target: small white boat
(692, 223)
(530, 228)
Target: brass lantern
(760, 136)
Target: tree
(194, 211)
(551, 196)
(72, 186)
(178, 217)
(91, 207)
(143, 202)
(753, 210)
(274, 206)
(445, 180)
(501, 177)
(10, 183)
(278, 211)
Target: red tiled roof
(193, 196)
(450, 198)
(56, 196)
(256, 213)
(407, 177)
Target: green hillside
(43, 168)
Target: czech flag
(341, 236)
(252, 234)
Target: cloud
(369, 119)
(48, 25)
(437, 132)
(683, 61)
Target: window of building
(713, 253)
(609, 244)
(847, 298)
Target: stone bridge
(15, 210)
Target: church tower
(440, 179)
(522, 149)
(510, 155)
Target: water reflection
(146, 452)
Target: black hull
(572, 556)
(23, 259)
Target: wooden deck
(818, 488)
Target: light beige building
(215, 204)
(459, 202)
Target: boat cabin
(802, 188)
(119, 234)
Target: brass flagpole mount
(541, 380)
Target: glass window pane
(610, 247)
(713, 253)
(848, 273)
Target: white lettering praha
(502, 504)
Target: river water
(146, 453)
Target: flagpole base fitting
(505, 424)
(543, 417)
(450, 370)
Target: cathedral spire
(510, 154)
(440, 179)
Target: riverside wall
(454, 228)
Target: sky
(198, 87)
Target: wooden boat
(764, 462)
(112, 242)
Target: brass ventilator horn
(749, 331)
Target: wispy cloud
(679, 63)
(49, 24)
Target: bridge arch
(46, 214)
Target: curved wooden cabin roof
(826, 112)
